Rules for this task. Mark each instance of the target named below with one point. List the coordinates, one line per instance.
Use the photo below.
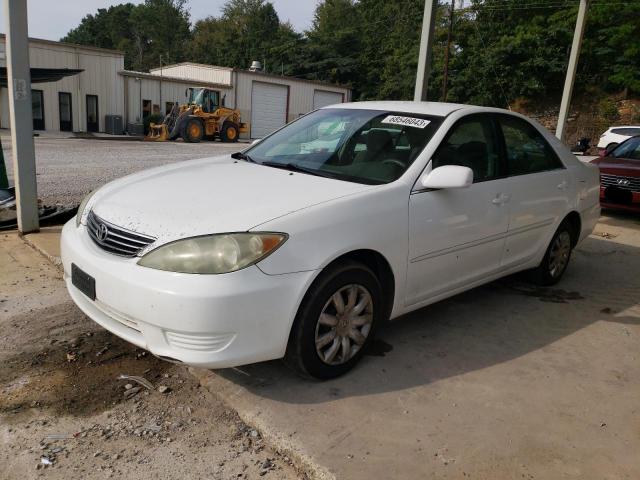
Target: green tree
(143, 32)
(247, 30)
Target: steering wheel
(393, 161)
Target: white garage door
(268, 108)
(322, 98)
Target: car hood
(214, 195)
(619, 166)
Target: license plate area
(83, 281)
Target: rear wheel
(229, 132)
(336, 321)
(557, 257)
(192, 130)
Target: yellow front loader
(202, 117)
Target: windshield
(196, 96)
(628, 149)
(363, 146)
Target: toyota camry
(303, 244)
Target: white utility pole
(426, 42)
(21, 117)
(572, 68)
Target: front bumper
(210, 321)
(632, 206)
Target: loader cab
(208, 100)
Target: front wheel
(556, 258)
(192, 130)
(336, 321)
(229, 132)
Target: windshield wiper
(242, 156)
(292, 167)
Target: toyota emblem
(102, 232)
(623, 182)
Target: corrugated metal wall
(300, 93)
(172, 91)
(99, 78)
(203, 73)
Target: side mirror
(448, 176)
(610, 148)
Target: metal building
(105, 88)
(77, 103)
(265, 100)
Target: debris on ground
(552, 295)
(139, 380)
(132, 392)
(605, 235)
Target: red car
(620, 176)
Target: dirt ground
(65, 414)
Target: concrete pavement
(505, 381)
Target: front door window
(37, 108)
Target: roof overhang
(164, 78)
(42, 75)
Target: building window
(37, 108)
(146, 108)
(168, 106)
(93, 122)
(64, 106)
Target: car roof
(438, 109)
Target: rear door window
(526, 149)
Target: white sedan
(283, 250)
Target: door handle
(501, 199)
(563, 185)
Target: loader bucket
(157, 133)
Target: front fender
(375, 220)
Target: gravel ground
(64, 413)
(69, 168)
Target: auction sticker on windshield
(407, 121)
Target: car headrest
(378, 140)
(473, 148)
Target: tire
(556, 258)
(303, 353)
(192, 130)
(229, 132)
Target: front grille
(115, 239)
(627, 183)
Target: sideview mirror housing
(448, 176)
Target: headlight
(82, 206)
(213, 254)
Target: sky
(52, 19)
